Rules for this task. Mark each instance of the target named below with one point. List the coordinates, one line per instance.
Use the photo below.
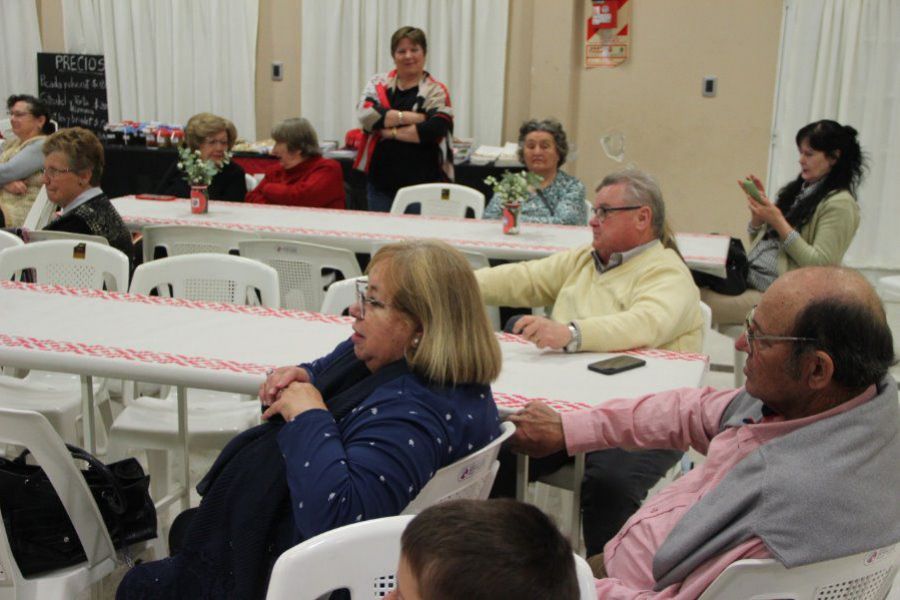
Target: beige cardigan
(824, 238)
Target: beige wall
(278, 39)
(697, 147)
(50, 20)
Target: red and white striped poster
(608, 35)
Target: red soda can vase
(511, 212)
(199, 199)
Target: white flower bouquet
(198, 172)
(514, 185)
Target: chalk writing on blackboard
(74, 88)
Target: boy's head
(484, 549)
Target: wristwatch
(574, 344)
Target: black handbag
(41, 535)
(736, 269)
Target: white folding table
(359, 230)
(225, 347)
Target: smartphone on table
(617, 364)
(752, 190)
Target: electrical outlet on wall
(277, 71)
(710, 85)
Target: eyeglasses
(215, 142)
(50, 172)
(601, 212)
(759, 337)
(18, 114)
(362, 286)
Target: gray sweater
(826, 490)
(26, 162)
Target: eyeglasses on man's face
(18, 113)
(602, 212)
(362, 289)
(52, 172)
(753, 336)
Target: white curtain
(840, 60)
(344, 42)
(169, 59)
(20, 41)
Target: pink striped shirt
(674, 419)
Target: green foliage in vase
(196, 170)
(514, 186)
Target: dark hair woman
(812, 221)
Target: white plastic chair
(480, 261)
(41, 211)
(440, 199)
(45, 236)
(864, 576)
(470, 477)
(213, 417)
(209, 277)
(363, 558)
(9, 240)
(300, 266)
(339, 296)
(30, 429)
(706, 313)
(190, 239)
(72, 263)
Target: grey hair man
(801, 463)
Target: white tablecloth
(226, 347)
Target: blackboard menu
(74, 88)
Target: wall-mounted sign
(608, 37)
(73, 86)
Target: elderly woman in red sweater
(303, 177)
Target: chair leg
(740, 358)
(575, 524)
(158, 468)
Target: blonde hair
(434, 285)
(202, 125)
(81, 148)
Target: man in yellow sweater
(625, 290)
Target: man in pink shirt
(801, 464)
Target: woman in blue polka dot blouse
(354, 435)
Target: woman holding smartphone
(811, 222)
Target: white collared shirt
(618, 258)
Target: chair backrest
(32, 430)
(339, 296)
(191, 239)
(9, 240)
(209, 277)
(440, 199)
(363, 558)
(706, 313)
(45, 236)
(470, 477)
(863, 576)
(300, 267)
(40, 212)
(71, 263)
